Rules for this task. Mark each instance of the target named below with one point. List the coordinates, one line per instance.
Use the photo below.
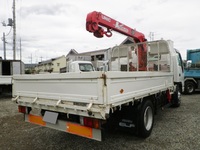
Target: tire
(189, 87)
(176, 98)
(146, 119)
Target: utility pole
(31, 58)
(20, 56)
(151, 35)
(4, 46)
(20, 49)
(4, 36)
(14, 32)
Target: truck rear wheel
(189, 87)
(146, 119)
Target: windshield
(85, 67)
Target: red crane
(96, 22)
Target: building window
(58, 64)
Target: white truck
(86, 103)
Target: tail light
(22, 109)
(169, 97)
(90, 122)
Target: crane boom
(95, 22)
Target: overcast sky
(50, 28)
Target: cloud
(43, 9)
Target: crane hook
(108, 33)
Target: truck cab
(192, 71)
(80, 66)
(179, 71)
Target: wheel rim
(190, 88)
(148, 118)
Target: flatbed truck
(88, 103)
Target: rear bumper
(66, 126)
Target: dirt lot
(173, 129)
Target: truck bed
(80, 93)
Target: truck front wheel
(189, 87)
(146, 119)
(176, 97)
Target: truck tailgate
(73, 87)
(75, 93)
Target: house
(73, 55)
(51, 65)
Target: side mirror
(188, 63)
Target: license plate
(50, 117)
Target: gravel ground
(174, 129)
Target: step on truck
(141, 78)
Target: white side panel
(135, 85)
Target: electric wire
(9, 31)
